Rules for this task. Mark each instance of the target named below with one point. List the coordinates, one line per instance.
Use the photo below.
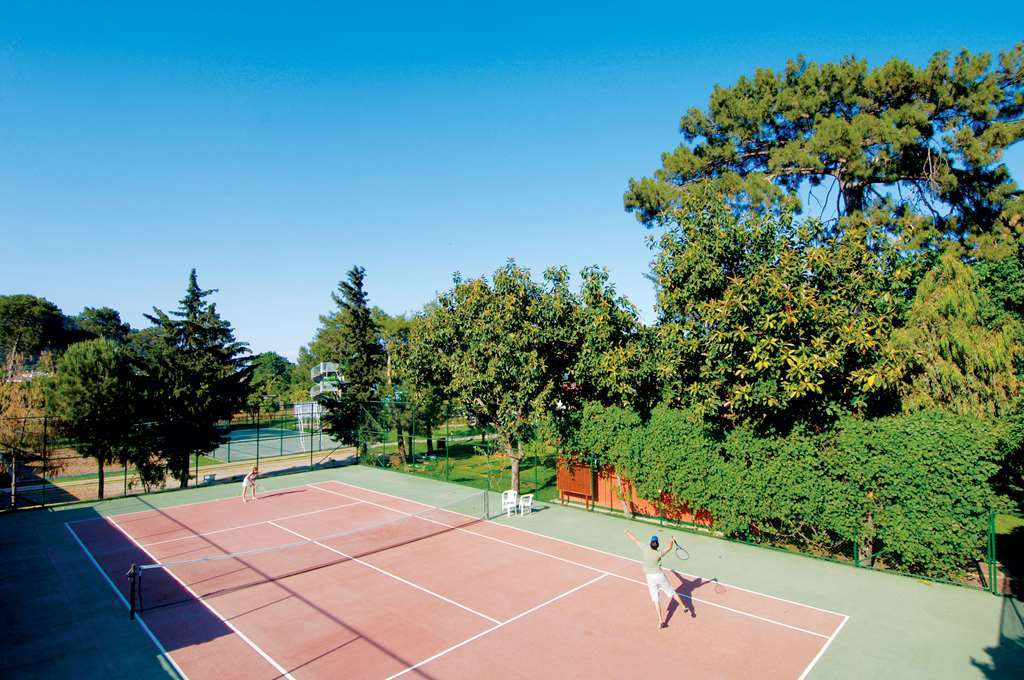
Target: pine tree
(198, 374)
(91, 396)
(352, 338)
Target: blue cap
(655, 538)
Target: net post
(132, 589)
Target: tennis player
(652, 556)
(250, 483)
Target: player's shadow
(685, 590)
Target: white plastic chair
(526, 503)
(508, 502)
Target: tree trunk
(430, 439)
(401, 440)
(627, 505)
(866, 547)
(102, 488)
(515, 458)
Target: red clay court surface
(481, 597)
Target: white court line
(821, 652)
(180, 505)
(252, 524)
(120, 596)
(280, 669)
(386, 573)
(585, 566)
(585, 547)
(494, 628)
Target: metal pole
(856, 549)
(257, 435)
(46, 460)
(593, 492)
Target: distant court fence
(41, 464)
(448, 446)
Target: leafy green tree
(771, 321)
(425, 374)
(301, 382)
(29, 325)
(613, 354)
(103, 322)
(508, 345)
(198, 375)
(270, 383)
(898, 141)
(91, 395)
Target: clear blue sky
(272, 146)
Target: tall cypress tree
(198, 375)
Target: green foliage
(352, 338)
(505, 343)
(92, 396)
(103, 322)
(958, 352)
(422, 371)
(271, 382)
(197, 375)
(613, 361)
(767, 321)
(29, 325)
(915, 490)
(925, 483)
(923, 141)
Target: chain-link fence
(42, 464)
(449, 446)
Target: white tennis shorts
(656, 582)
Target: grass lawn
(468, 464)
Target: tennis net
(212, 570)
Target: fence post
(46, 460)
(593, 490)
(447, 442)
(992, 570)
(856, 549)
(257, 434)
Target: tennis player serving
(656, 581)
(250, 483)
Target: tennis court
(390, 587)
(266, 442)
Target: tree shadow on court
(1006, 658)
(685, 589)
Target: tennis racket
(681, 552)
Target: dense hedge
(913, 490)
